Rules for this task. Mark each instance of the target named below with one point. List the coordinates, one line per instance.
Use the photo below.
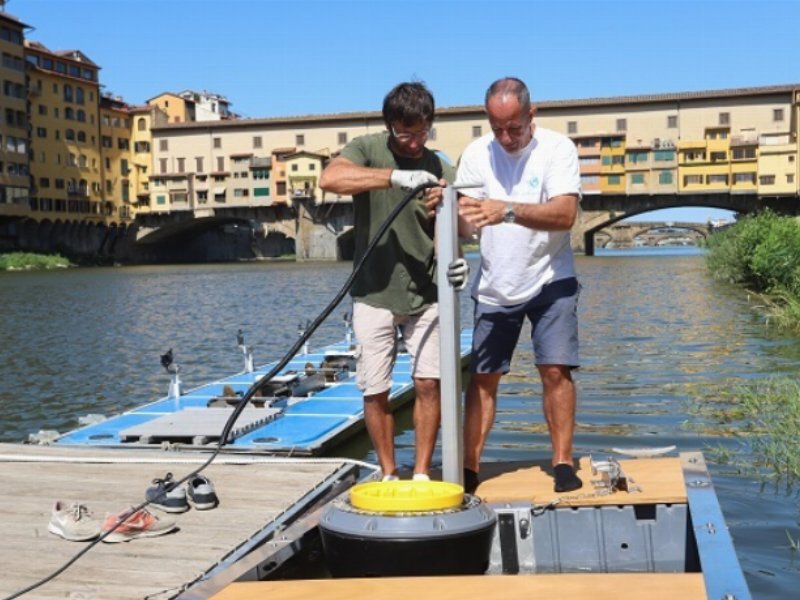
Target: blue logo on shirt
(534, 182)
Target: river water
(656, 333)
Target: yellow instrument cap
(406, 496)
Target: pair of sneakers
(74, 522)
(165, 494)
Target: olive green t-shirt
(400, 274)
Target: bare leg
(427, 415)
(479, 415)
(559, 409)
(380, 425)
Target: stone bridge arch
(601, 211)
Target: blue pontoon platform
(311, 405)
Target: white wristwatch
(509, 216)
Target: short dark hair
(408, 103)
(510, 86)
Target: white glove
(408, 180)
(458, 274)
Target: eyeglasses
(405, 137)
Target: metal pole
(449, 339)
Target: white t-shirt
(516, 261)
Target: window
(777, 115)
(260, 173)
(79, 95)
(41, 132)
(42, 109)
(724, 118)
(743, 153)
(202, 196)
(613, 179)
(477, 131)
(241, 193)
(766, 180)
(198, 164)
(69, 134)
(162, 165)
(718, 156)
(69, 113)
(256, 141)
(637, 178)
(723, 179)
(692, 179)
(220, 164)
(622, 124)
(672, 121)
(82, 137)
(789, 178)
(217, 142)
(163, 145)
(342, 138)
(294, 167)
(744, 178)
(123, 144)
(67, 92)
(665, 177)
(637, 157)
(181, 165)
(44, 182)
(141, 124)
(572, 127)
(123, 166)
(280, 188)
(106, 141)
(663, 155)
(80, 115)
(300, 139)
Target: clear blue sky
(294, 57)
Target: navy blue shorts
(553, 314)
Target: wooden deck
(660, 481)
(251, 496)
(585, 586)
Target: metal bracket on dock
(610, 477)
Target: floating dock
(259, 496)
(662, 536)
(300, 420)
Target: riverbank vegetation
(761, 253)
(27, 261)
(765, 417)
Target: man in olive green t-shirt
(397, 284)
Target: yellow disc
(406, 496)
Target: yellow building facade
(14, 163)
(66, 161)
(724, 141)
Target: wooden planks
(660, 480)
(251, 496)
(584, 586)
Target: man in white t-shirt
(524, 212)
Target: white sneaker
(72, 522)
(390, 478)
(420, 477)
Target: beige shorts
(375, 331)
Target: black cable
(226, 430)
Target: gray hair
(510, 86)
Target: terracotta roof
(12, 19)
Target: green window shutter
(665, 177)
(161, 199)
(260, 191)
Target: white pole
(449, 339)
